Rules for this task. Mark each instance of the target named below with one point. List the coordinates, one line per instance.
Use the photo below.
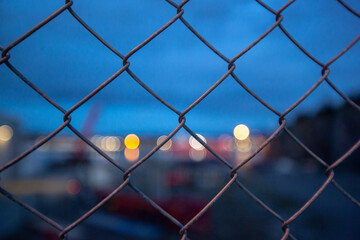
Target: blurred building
(329, 133)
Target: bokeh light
(131, 154)
(110, 144)
(197, 155)
(96, 139)
(241, 132)
(73, 186)
(166, 146)
(132, 141)
(226, 142)
(244, 146)
(195, 144)
(6, 133)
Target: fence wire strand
(228, 75)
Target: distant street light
(166, 146)
(241, 132)
(6, 133)
(195, 144)
(132, 141)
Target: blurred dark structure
(329, 133)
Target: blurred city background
(64, 178)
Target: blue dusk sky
(67, 62)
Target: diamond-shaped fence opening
(148, 181)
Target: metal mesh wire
(233, 170)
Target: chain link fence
(183, 227)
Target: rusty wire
(229, 73)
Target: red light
(73, 186)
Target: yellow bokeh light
(132, 141)
(244, 145)
(166, 146)
(6, 133)
(195, 144)
(241, 132)
(131, 154)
